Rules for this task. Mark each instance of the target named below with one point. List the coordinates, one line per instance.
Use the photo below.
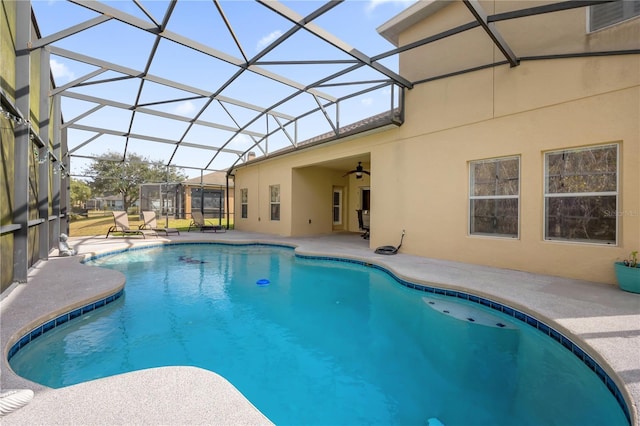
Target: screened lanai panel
(241, 142)
(354, 81)
(369, 104)
(253, 27)
(63, 16)
(193, 157)
(261, 90)
(106, 117)
(217, 85)
(267, 123)
(222, 161)
(272, 70)
(154, 150)
(208, 136)
(118, 91)
(316, 121)
(298, 104)
(219, 112)
(201, 21)
(306, 65)
(98, 42)
(240, 115)
(168, 99)
(273, 143)
(153, 125)
(340, 22)
(193, 68)
(94, 143)
(308, 73)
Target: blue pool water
(323, 343)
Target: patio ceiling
(189, 89)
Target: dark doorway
(366, 199)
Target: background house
(110, 202)
(207, 194)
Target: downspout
(227, 196)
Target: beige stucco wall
(435, 212)
(420, 177)
(419, 171)
(257, 180)
(545, 34)
(313, 192)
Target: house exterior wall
(420, 171)
(316, 182)
(436, 211)
(257, 180)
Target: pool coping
(404, 275)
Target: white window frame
(338, 206)
(472, 197)
(548, 195)
(244, 203)
(273, 202)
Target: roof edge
(415, 13)
(381, 124)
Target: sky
(255, 26)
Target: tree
(80, 192)
(113, 176)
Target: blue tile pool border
(546, 329)
(60, 320)
(75, 313)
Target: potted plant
(628, 273)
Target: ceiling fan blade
(358, 170)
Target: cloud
(185, 108)
(61, 72)
(367, 102)
(264, 41)
(373, 4)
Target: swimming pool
(325, 342)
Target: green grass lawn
(99, 225)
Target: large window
(244, 202)
(274, 190)
(581, 194)
(494, 197)
(607, 14)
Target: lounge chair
(198, 222)
(150, 223)
(121, 224)
(363, 222)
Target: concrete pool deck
(600, 318)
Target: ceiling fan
(358, 171)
